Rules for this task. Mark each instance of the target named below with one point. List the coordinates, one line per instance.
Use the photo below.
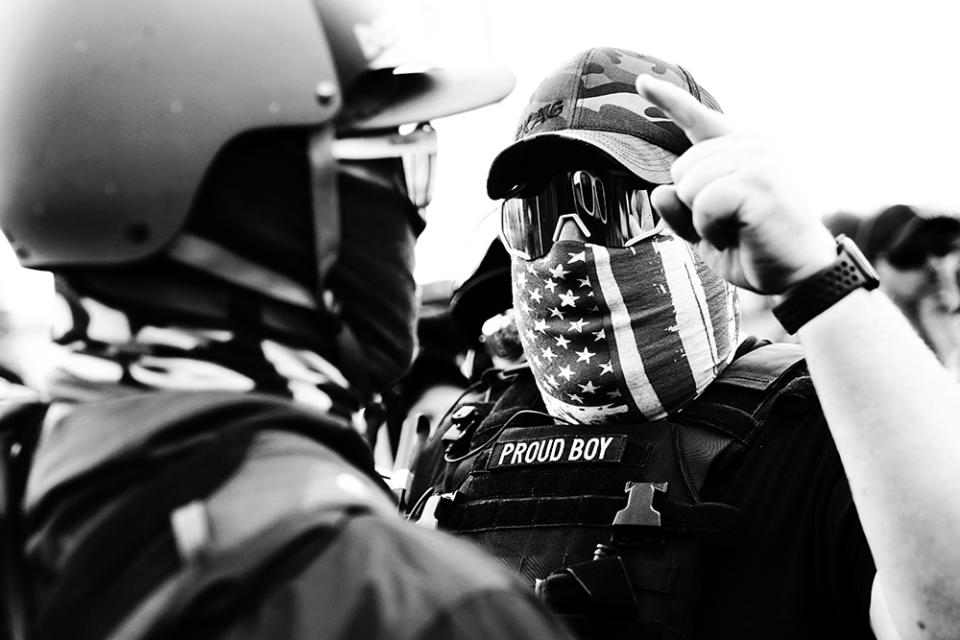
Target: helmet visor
(611, 207)
(415, 151)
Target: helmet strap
(326, 204)
(326, 229)
(211, 258)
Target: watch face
(819, 292)
(848, 246)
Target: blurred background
(861, 97)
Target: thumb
(697, 121)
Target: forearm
(900, 455)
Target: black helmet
(113, 110)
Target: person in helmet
(228, 195)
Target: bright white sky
(861, 97)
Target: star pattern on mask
(568, 299)
(588, 387)
(585, 355)
(567, 333)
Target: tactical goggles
(611, 207)
(416, 151)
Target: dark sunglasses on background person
(931, 243)
(610, 206)
(415, 152)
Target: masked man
(652, 474)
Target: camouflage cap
(592, 103)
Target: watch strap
(822, 290)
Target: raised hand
(732, 198)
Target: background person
(229, 206)
(917, 254)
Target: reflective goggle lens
(612, 208)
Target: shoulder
(383, 577)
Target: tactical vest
(137, 486)
(606, 522)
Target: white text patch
(558, 450)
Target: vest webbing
(606, 521)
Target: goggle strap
(418, 177)
(658, 228)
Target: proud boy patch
(560, 449)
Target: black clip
(463, 422)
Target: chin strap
(326, 204)
(326, 232)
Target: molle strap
(553, 482)
(496, 514)
(712, 522)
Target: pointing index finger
(697, 121)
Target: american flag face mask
(611, 207)
(623, 334)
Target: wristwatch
(811, 297)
